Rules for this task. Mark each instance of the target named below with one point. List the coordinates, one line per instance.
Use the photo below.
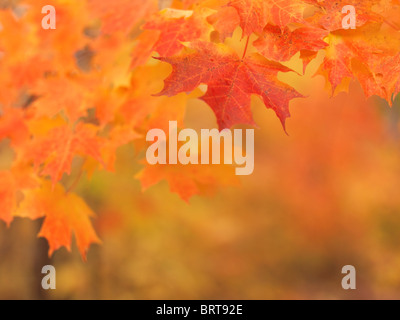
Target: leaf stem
(246, 47)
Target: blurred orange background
(321, 197)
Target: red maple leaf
(231, 82)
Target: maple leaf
(177, 26)
(65, 214)
(337, 63)
(367, 54)
(256, 14)
(231, 81)
(281, 45)
(55, 151)
(383, 81)
(166, 30)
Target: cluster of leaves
(88, 87)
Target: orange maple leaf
(65, 213)
(176, 26)
(55, 152)
(256, 14)
(281, 45)
(368, 54)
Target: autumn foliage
(80, 92)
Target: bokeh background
(324, 196)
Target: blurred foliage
(322, 197)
